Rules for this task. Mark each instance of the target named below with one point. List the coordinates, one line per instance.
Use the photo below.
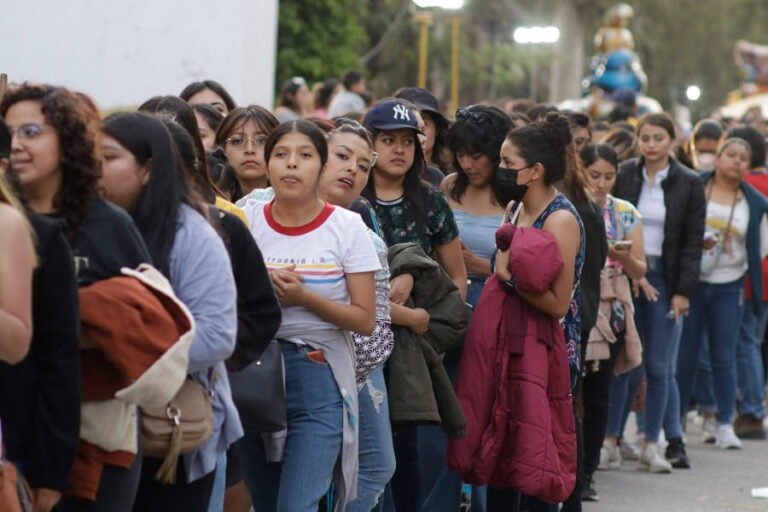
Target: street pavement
(718, 481)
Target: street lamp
(424, 23)
(693, 92)
(535, 35)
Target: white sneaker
(650, 460)
(662, 443)
(726, 438)
(610, 456)
(709, 431)
(629, 451)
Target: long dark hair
(158, 208)
(196, 87)
(549, 143)
(80, 170)
(415, 190)
(180, 111)
(477, 129)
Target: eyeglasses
(29, 131)
(478, 117)
(242, 142)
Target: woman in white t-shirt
(322, 264)
(733, 248)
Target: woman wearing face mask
(702, 146)
(242, 135)
(670, 197)
(533, 158)
(626, 259)
(322, 264)
(732, 248)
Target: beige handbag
(178, 428)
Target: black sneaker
(589, 492)
(676, 455)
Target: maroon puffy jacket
(514, 381)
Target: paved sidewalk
(719, 481)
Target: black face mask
(505, 187)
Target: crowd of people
(349, 304)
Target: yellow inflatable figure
(614, 34)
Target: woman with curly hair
(52, 154)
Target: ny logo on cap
(401, 112)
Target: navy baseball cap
(390, 115)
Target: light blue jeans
(313, 445)
(704, 387)
(717, 310)
(377, 456)
(660, 336)
(749, 362)
(219, 485)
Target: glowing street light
(536, 35)
(693, 92)
(443, 4)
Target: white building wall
(122, 52)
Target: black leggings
(406, 483)
(117, 490)
(154, 496)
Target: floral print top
(398, 224)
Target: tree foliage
(680, 43)
(318, 39)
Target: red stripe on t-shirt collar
(298, 230)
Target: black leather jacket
(684, 223)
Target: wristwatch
(510, 283)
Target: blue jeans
(443, 486)
(377, 456)
(623, 389)
(475, 288)
(716, 309)
(704, 387)
(219, 485)
(749, 369)
(313, 444)
(660, 336)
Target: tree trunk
(568, 64)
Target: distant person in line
(350, 98)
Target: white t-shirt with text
(335, 243)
